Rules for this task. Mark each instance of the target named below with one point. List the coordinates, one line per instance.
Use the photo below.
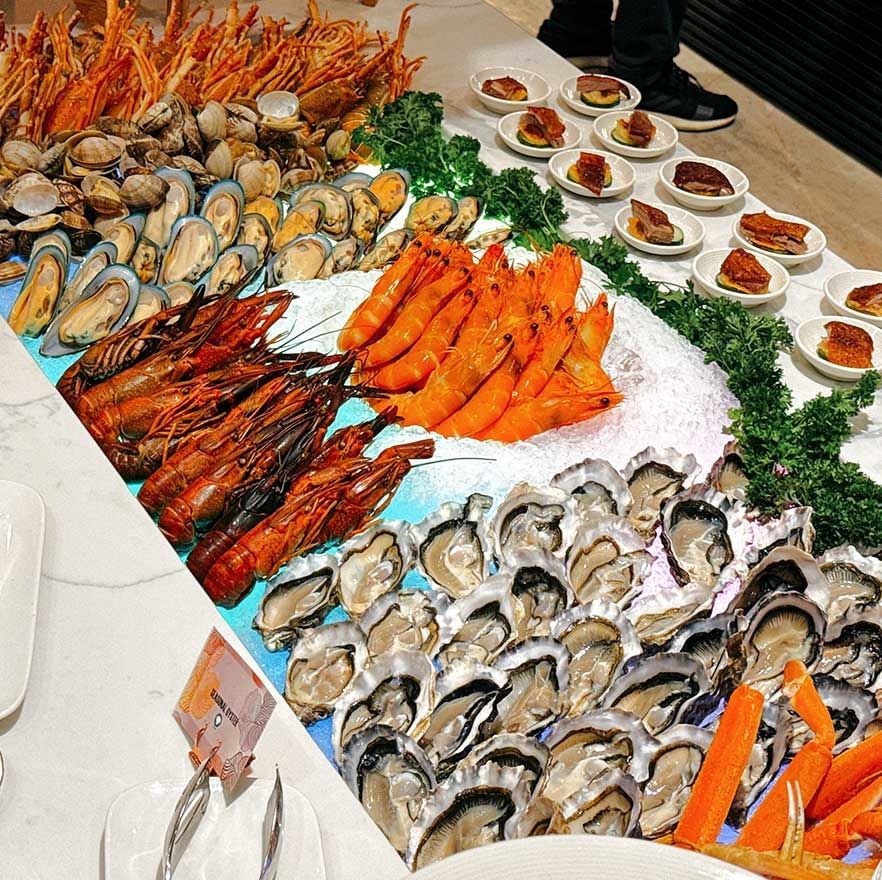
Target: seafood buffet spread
(627, 651)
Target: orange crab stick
(835, 834)
(717, 781)
(850, 772)
(806, 701)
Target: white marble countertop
(121, 621)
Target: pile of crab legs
(228, 430)
(841, 796)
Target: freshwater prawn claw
(272, 831)
(190, 808)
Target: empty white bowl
(706, 267)
(538, 90)
(570, 96)
(736, 177)
(693, 232)
(815, 241)
(623, 173)
(809, 335)
(665, 137)
(508, 131)
(837, 288)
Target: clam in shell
(140, 192)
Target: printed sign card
(224, 704)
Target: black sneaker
(679, 98)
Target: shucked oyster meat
(533, 519)
(539, 582)
(609, 805)
(653, 476)
(405, 620)
(853, 650)
(854, 581)
(599, 489)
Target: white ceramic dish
(579, 857)
(837, 288)
(623, 174)
(508, 131)
(226, 845)
(22, 523)
(538, 90)
(815, 240)
(570, 96)
(665, 137)
(706, 267)
(693, 231)
(810, 333)
(736, 177)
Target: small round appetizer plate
(815, 241)
(571, 97)
(837, 288)
(538, 90)
(665, 137)
(706, 267)
(736, 177)
(809, 335)
(508, 131)
(693, 232)
(623, 173)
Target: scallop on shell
(598, 488)
(405, 620)
(653, 476)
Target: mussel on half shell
(40, 292)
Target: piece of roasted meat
(541, 127)
(702, 179)
(601, 91)
(742, 271)
(505, 87)
(591, 171)
(652, 224)
(847, 346)
(636, 130)
(867, 299)
(772, 234)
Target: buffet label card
(224, 704)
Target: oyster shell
(529, 518)
(658, 617)
(673, 768)
(223, 208)
(600, 639)
(373, 563)
(581, 748)
(704, 640)
(430, 214)
(321, 667)
(452, 548)
(653, 476)
(728, 475)
(480, 625)
(391, 777)
(536, 820)
(405, 620)
(192, 251)
(179, 201)
(466, 696)
(853, 650)
(337, 217)
(539, 582)
(658, 689)
(366, 215)
(512, 750)
(391, 189)
(608, 805)
(702, 532)
(297, 598)
(386, 250)
(854, 581)
(792, 529)
(397, 689)
(608, 560)
(784, 568)
(40, 291)
(538, 678)
(472, 807)
(599, 489)
(300, 260)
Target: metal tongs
(272, 831)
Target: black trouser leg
(578, 27)
(646, 38)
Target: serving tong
(191, 807)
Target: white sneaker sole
(694, 124)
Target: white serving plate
(693, 231)
(837, 287)
(538, 89)
(623, 173)
(570, 96)
(815, 240)
(226, 845)
(706, 267)
(736, 177)
(22, 524)
(508, 129)
(579, 857)
(665, 138)
(810, 333)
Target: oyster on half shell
(512, 750)
(405, 620)
(786, 568)
(854, 581)
(853, 650)
(609, 805)
(599, 489)
(529, 518)
(659, 616)
(653, 476)
(704, 639)
(538, 581)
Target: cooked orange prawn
(564, 273)
(554, 342)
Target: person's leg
(578, 29)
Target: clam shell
(20, 154)
(93, 149)
(11, 271)
(212, 121)
(36, 199)
(143, 191)
(278, 105)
